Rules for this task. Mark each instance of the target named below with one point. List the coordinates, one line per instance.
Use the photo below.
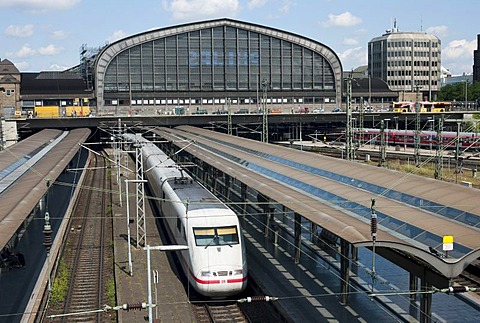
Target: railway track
(85, 256)
(470, 277)
(207, 313)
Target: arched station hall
(212, 66)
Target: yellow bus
(425, 106)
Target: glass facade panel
(111, 84)
(159, 64)
(147, 67)
(222, 58)
(276, 64)
(123, 73)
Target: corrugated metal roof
(414, 212)
(21, 197)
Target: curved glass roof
(217, 55)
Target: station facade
(216, 65)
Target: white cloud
(22, 66)
(457, 56)
(345, 19)
(50, 50)
(28, 51)
(200, 9)
(19, 30)
(353, 57)
(252, 4)
(39, 5)
(459, 48)
(350, 41)
(58, 34)
(439, 31)
(117, 34)
(25, 51)
(285, 6)
(361, 31)
(57, 67)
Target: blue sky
(39, 35)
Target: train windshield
(216, 236)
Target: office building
(476, 61)
(407, 61)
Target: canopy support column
(298, 237)
(344, 271)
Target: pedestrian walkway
(173, 305)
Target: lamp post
(47, 242)
(386, 137)
(149, 272)
(130, 267)
(466, 89)
(155, 281)
(265, 86)
(431, 129)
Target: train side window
(179, 225)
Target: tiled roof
(52, 83)
(7, 67)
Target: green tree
(456, 92)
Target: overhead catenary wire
(93, 188)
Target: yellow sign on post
(447, 243)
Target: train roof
(196, 195)
(188, 190)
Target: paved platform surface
(173, 305)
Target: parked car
(337, 109)
(200, 111)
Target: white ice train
(215, 263)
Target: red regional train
(467, 140)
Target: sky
(46, 35)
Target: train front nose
(221, 283)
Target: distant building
(455, 79)
(53, 88)
(22, 93)
(407, 60)
(359, 72)
(369, 91)
(9, 88)
(476, 61)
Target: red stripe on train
(220, 281)
(211, 282)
